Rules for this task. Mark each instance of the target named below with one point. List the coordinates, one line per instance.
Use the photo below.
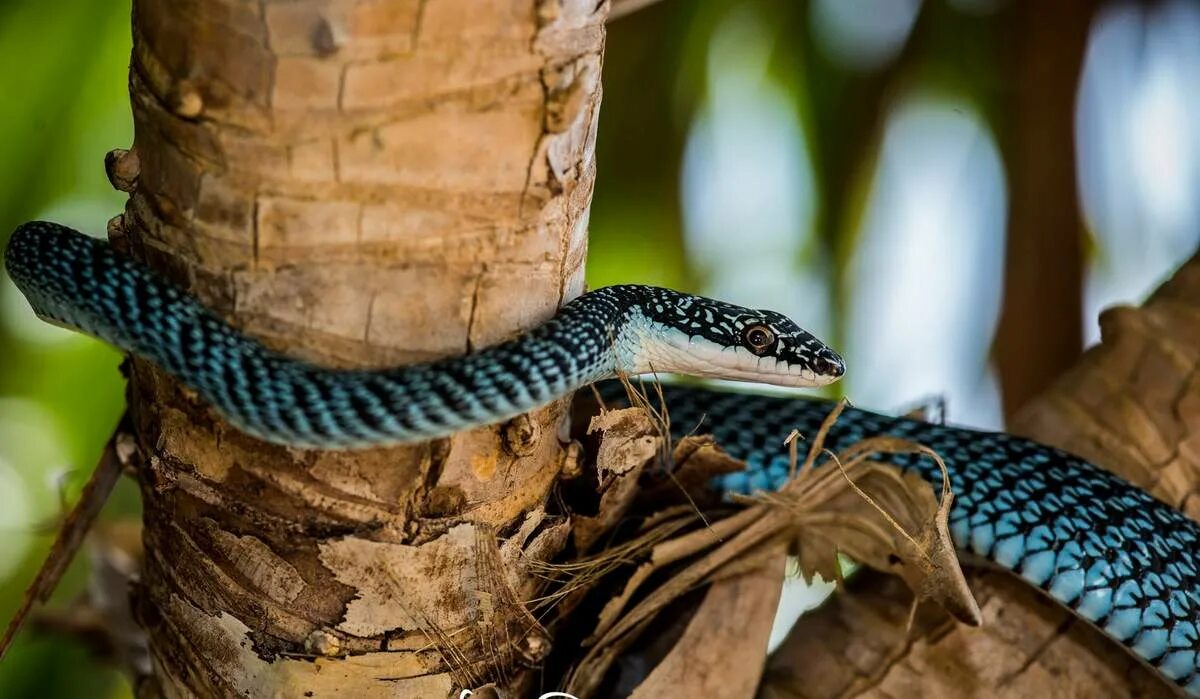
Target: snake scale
(1111, 553)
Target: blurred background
(948, 191)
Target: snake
(1109, 552)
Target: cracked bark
(1132, 405)
(357, 183)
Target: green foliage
(67, 104)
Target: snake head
(685, 334)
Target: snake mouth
(695, 357)
(802, 370)
(782, 375)
(799, 376)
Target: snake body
(80, 282)
(1108, 551)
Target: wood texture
(358, 183)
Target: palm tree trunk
(358, 183)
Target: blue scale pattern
(81, 282)
(1110, 552)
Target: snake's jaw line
(716, 350)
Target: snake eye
(758, 338)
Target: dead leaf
(867, 510)
(507, 630)
(930, 564)
(841, 648)
(695, 461)
(630, 440)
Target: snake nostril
(829, 366)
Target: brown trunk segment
(358, 183)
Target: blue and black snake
(1110, 552)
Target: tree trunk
(357, 183)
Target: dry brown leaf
(695, 461)
(917, 547)
(840, 649)
(594, 664)
(870, 511)
(932, 569)
(539, 538)
(665, 553)
(930, 564)
(886, 520)
(577, 577)
(630, 440)
(667, 514)
(611, 613)
(509, 632)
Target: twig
(871, 501)
(73, 530)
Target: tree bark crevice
(358, 185)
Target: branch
(75, 526)
(1043, 286)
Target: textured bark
(1132, 404)
(358, 183)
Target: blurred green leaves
(66, 66)
(65, 107)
